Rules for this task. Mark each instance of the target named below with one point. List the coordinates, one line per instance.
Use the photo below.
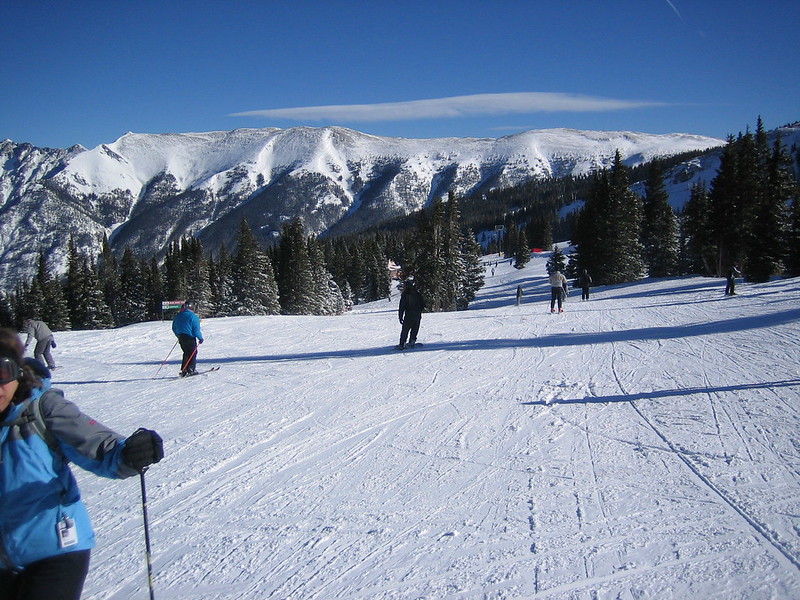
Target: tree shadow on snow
(667, 393)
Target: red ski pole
(165, 360)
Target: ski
(408, 347)
(203, 372)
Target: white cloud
(456, 106)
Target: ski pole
(165, 360)
(147, 537)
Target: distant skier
(519, 294)
(39, 331)
(186, 326)
(558, 285)
(410, 313)
(730, 287)
(584, 282)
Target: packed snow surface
(643, 444)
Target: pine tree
(768, 251)
(196, 268)
(295, 276)
(522, 255)
(253, 278)
(557, 261)
(329, 300)
(132, 300)
(426, 264)
(734, 194)
(698, 250)
(108, 278)
(154, 288)
(608, 228)
(175, 280)
(452, 256)
(473, 276)
(628, 262)
(220, 280)
(659, 227)
(90, 310)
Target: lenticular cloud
(455, 106)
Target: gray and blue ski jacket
(37, 488)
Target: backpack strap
(37, 421)
(32, 414)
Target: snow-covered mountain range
(145, 190)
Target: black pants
(556, 294)
(730, 289)
(189, 346)
(410, 329)
(585, 294)
(58, 578)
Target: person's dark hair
(11, 347)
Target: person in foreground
(186, 327)
(46, 535)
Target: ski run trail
(643, 444)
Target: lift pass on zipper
(67, 532)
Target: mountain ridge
(145, 190)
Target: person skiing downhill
(410, 313)
(558, 285)
(186, 326)
(46, 535)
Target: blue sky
(89, 71)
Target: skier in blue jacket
(45, 532)
(186, 326)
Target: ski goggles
(9, 370)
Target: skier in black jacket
(410, 313)
(584, 281)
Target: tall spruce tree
(659, 226)
(89, 309)
(473, 275)
(52, 306)
(296, 285)
(175, 277)
(132, 300)
(198, 289)
(253, 278)
(608, 228)
(108, 278)
(452, 255)
(768, 250)
(220, 282)
(328, 296)
(698, 248)
(154, 288)
(426, 263)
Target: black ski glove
(142, 449)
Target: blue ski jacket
(38, 490)
(188, 323)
